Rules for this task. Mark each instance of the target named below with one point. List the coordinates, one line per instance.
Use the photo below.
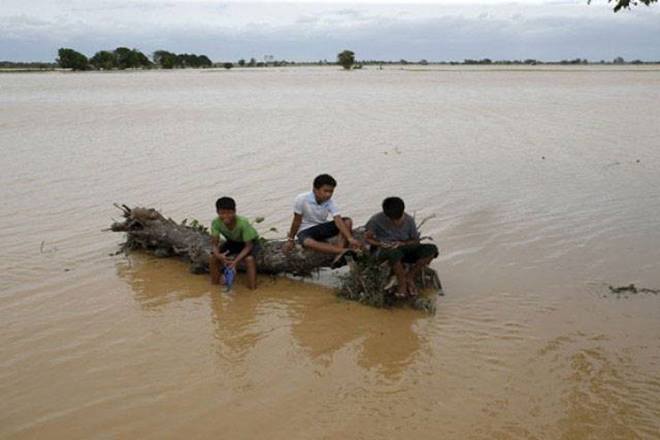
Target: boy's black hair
(393, 207)
(324, 179)
(225, 203)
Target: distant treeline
(27, 65)
(487, 61)
(125, 58)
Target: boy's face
(227, 216)
(397, 221)
(324, 193)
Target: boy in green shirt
(240, 245)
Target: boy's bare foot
(390, 283)
(340, 259)
(400, 294)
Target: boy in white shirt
(310, 215)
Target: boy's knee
(394, 256)
(429, 251)
(306, 242)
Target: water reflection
(303, 320)
(158, 282)
(382, 342)
(235, 325)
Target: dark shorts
(408, 253)
(319, 232)
(235, 247)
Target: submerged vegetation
(370, 282)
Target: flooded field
(544, 183)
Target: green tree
(165, 59)
(241, 62)
(228, 65)
(346, 59)
(169, 60)
(104, 59)
(205, 61)
(70, 59)
(131, 58)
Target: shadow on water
(159, 282)
(302, 318)
(381, 341)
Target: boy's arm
(370, 235)
(295, 225)
(370, 238)
(413, 235)
(215, 241)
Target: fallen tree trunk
(148, 229)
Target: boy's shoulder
(381, 219)
(243, 220)
(304, 195)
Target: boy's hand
(354, 244)
(221, 256)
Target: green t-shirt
(243, 230)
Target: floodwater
(544, 183)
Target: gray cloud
(549, 31)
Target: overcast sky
(33, 30)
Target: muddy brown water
(545, 185)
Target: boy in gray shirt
(394, 237)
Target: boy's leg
(413, 271)
(395, 257)
(251, 269)
(402, 282)
(349, 225)
(420, 255)
(214, 269)
(322, 246)
(314, 238)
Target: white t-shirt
(312, 213)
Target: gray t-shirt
(385, 230)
